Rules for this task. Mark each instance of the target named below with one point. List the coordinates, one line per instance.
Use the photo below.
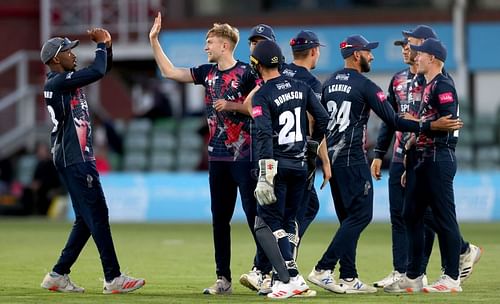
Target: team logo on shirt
(381, 96)
(445, 97)
(256, 111)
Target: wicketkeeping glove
(264, 192)
(312, 155)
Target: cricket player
(279, 109)
(405, 93)
(349, 97)
(231, 158)
(75, 162)
(433, 164)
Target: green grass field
(177, 262)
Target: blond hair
(224, 30)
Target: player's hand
(375, 168)
(408, 116)
(264, 192)
(446, 123)
(108, 40)
(311, 156)
(221, 105)
(99, 35)
(403, 179)
(156, 28)
(327, 174)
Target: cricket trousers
(431, 184)
(91, 219)
(289, 188)
(352, 193)
(225, 178)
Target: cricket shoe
(444, 284)
(221, 287)
(122, 284)
(354, 286)
(467, 261)
(391, 278)
(252, 279)
(62, 283)
(323, 279)
(295, 286)
(266, 286)
(406, 285)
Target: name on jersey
(288, 96)
(338, 87)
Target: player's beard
(364, 64)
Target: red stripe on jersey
(256, 111)
(445, 97)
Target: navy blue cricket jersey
(348, 97)
(279, 110)
(404, 95)
(301, 73)
(71, 137)
(439, 99)
(230, 132)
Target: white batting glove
(264, 192)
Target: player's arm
(325, 162)
(384, 138)
(261, 114)
(94, 71)
(167, 68)
(319, 114)
(378, 102)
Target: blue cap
(355, 43)
(263, 31)
(421, 32)
(266, 53)
(304, 40)
(433, 47)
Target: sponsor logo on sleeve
(256, 111)
(381, 96)
(445, 97)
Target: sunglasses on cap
(64, 43)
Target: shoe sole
(321, 285)
(117, 291)
(245, 282)
(306, 294)
(57, 289)
(452, 290)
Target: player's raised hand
(108, 40)
(99, 35)
(156, 28)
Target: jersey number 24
(338, 116)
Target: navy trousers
(430, 184)
(91, 219)
(352, 192)
(225, 178)
(289, 188)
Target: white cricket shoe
(266, 286)
(122, 284)
(56, 282)
(323, 279)
(354, 286)
(391, 278)
(405, 284)
(444, 284)
(467, 261)
(252, 279)
(221, 287)
(295, 286)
